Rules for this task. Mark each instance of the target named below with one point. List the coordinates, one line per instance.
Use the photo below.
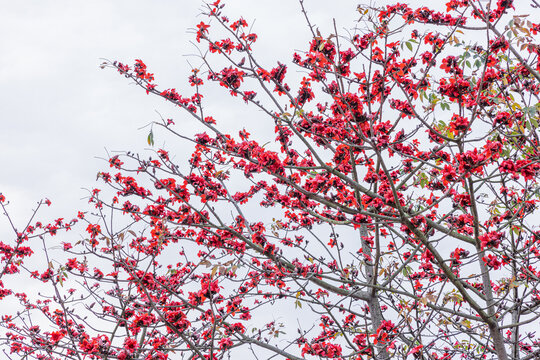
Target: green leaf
(151, 138)
(409, 45)
(534, 122)
(407, 270)
(423, 180)
(531, 110)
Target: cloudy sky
(60, 112)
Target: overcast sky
(59, 111)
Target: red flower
(202, 29)
(93, 230)
(225, 343)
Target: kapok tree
(394, 216)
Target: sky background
(60, 113)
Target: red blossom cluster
(395, 207)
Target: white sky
(59, 110)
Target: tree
(394, 215)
